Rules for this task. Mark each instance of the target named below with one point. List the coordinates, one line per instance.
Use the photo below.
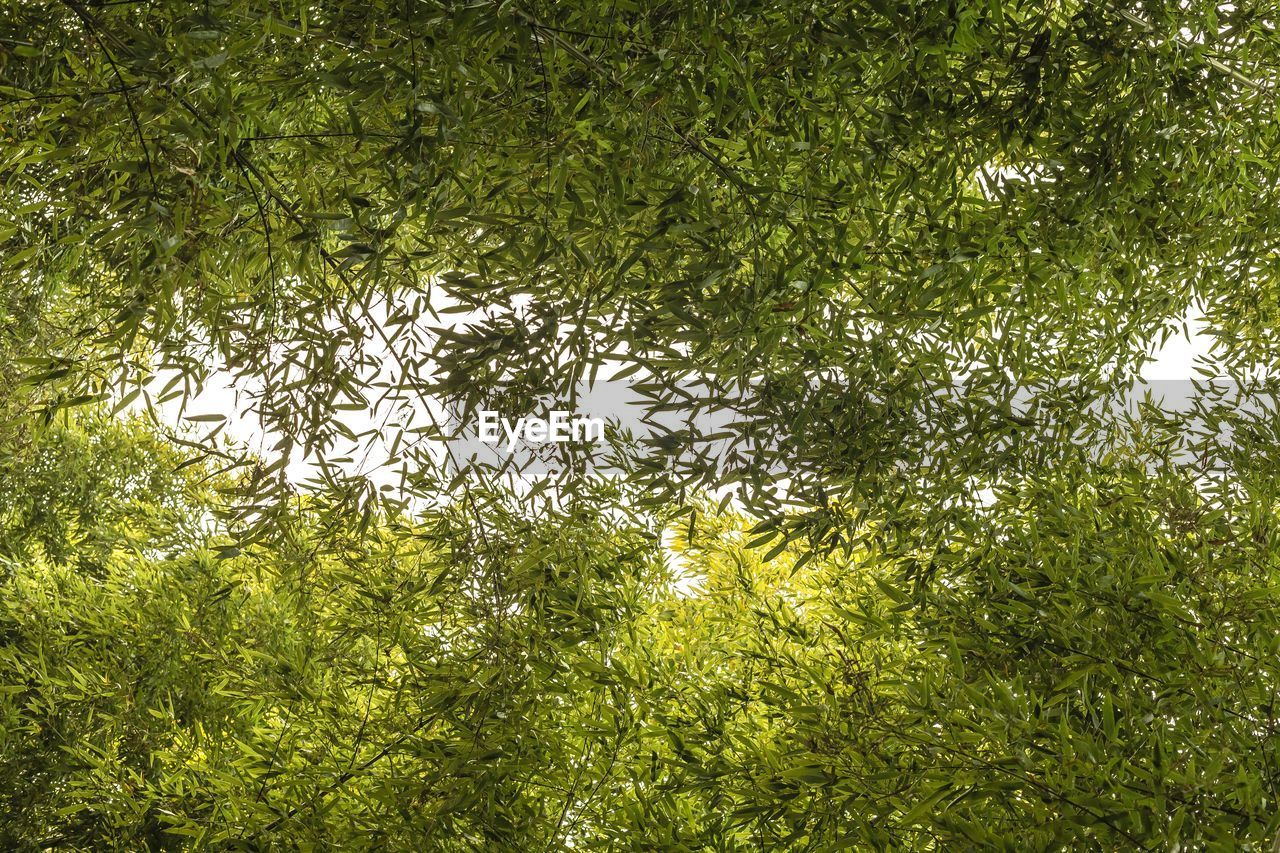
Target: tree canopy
(949, 587)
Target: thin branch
(92, 29)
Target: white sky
(1182, 353)
(1186, 348)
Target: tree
(872, 198)
(1092, 666)
(919, 250)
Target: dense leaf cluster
(1092, 668)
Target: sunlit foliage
(959, 597)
